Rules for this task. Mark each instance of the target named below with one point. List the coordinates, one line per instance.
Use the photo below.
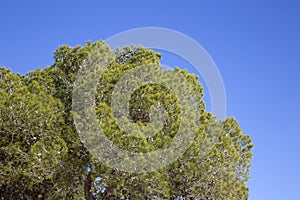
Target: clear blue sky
(255, 44)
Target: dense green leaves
(30, 123)
(42, 156)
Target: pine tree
(43, 156)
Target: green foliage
(42, 156)
(31, 146)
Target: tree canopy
(42, 156)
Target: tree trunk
(88, 188)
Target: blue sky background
(255, 44)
